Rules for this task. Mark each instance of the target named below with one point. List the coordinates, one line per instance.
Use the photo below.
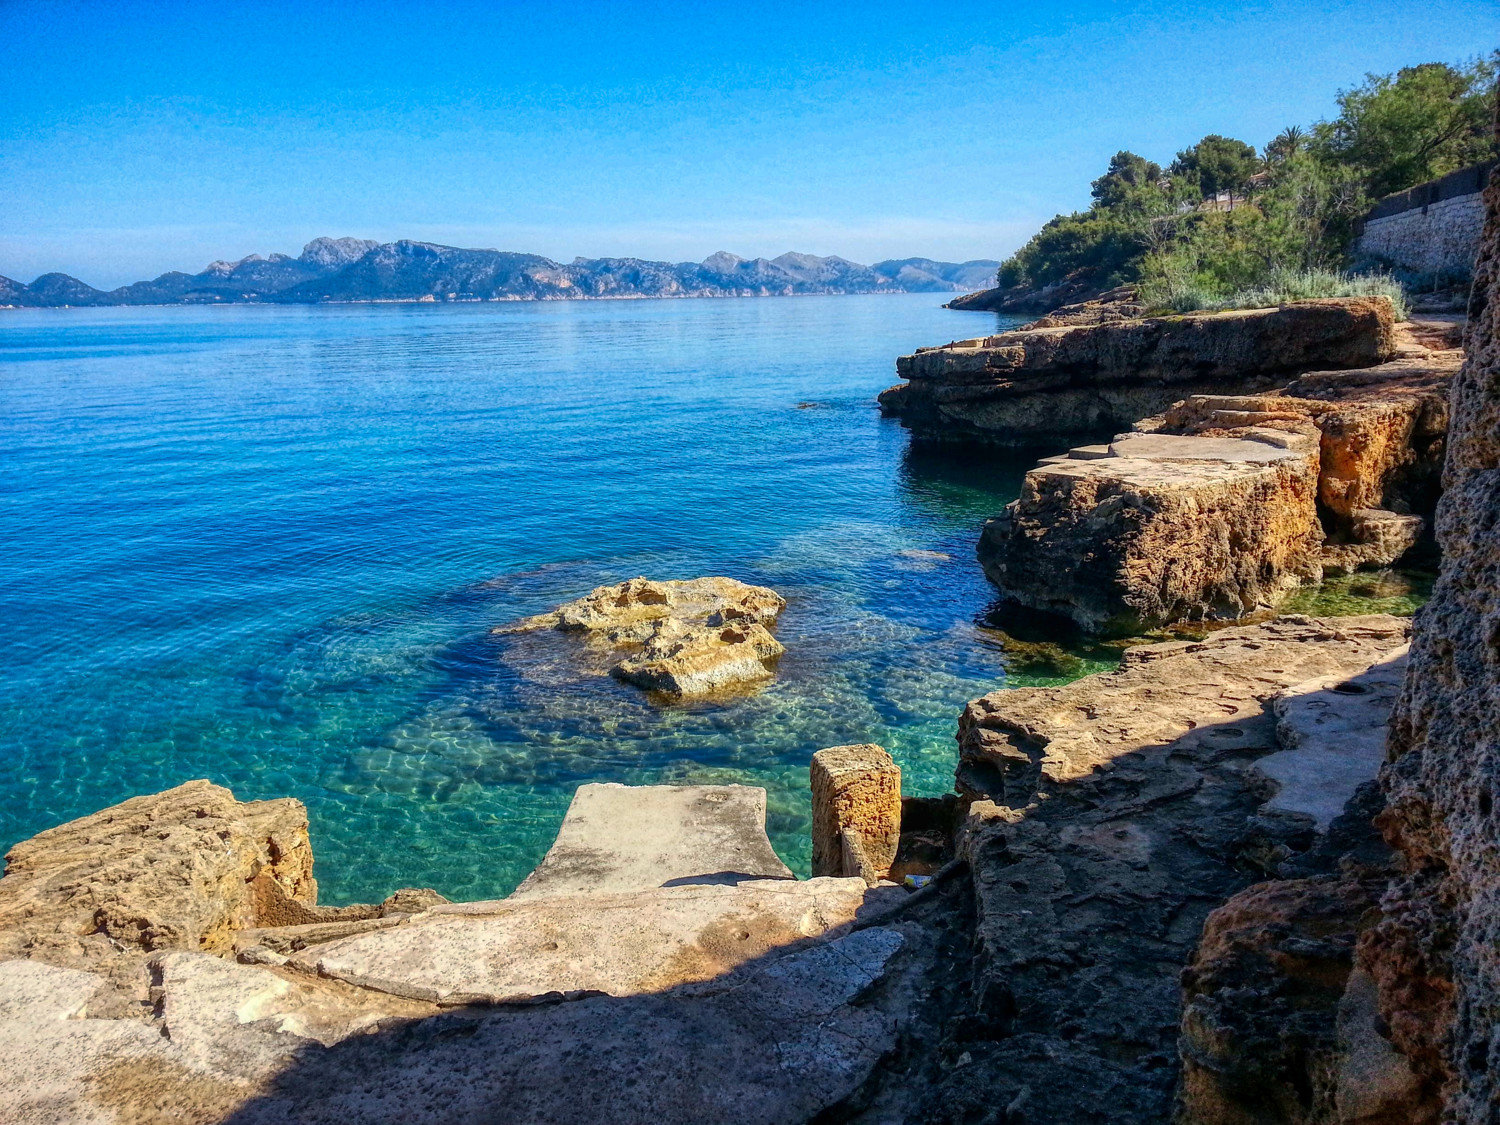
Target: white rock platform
(661, 965)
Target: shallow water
(266, 546)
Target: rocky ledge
(166, 960)
(1044, 386)
(678, 640)
(1222, 504)
(1109, 818)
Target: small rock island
(679, 640)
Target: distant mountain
(356, 269)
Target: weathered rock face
(183, 869)
(1436, 952)
(1279, 1023)
(678, 640)
(1047, 386)
(1153, 529)
(1188, 518)
(856, 792)
(1381, 433)
(1107, 819)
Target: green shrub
(1281, 287)
(1296, 205)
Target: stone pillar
(855, 790)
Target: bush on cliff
(1292, 209)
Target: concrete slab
(621, 944)
(634, 837)
(1332, 731)
(1175, 447)
(1088, 452)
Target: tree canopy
(1216, 164)
(1299, 212)
(1399, 130)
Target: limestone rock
(680, 639)
(855, 789)
(685, 662)
(1016, 743)
(1381, 440)
(618, 838)
(1261, 1035)
(1161, 528)
(1047, 385)
(183, 869)
(620, 943)
(1436, 952)
(1119, 536)
(1107, 819)
(1332, 733)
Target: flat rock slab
(1013, 742)
(773, 1044)
(637, 837)
(621, 944)
(1124, 804)
(1177, 447)
(776, 1041)
(1333, 731)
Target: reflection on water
(267, 547)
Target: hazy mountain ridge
(353, 269)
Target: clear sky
(141, 137)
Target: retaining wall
(1431, 230)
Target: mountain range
(357, 269)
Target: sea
(268, 546)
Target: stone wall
(1432, 230)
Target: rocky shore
(1223, 504)
(167, 959)
(1052, 382)
(1252, 877)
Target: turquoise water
(266, 546)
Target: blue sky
(141, 137)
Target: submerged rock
(678, 640)
(1047, 385)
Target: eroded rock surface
(678, 640)
(1436, 952)
(1223, 504)
(183, 869)
(1158, 528)
(1109, 817)
(1048, 385)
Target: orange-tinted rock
(856, 790)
